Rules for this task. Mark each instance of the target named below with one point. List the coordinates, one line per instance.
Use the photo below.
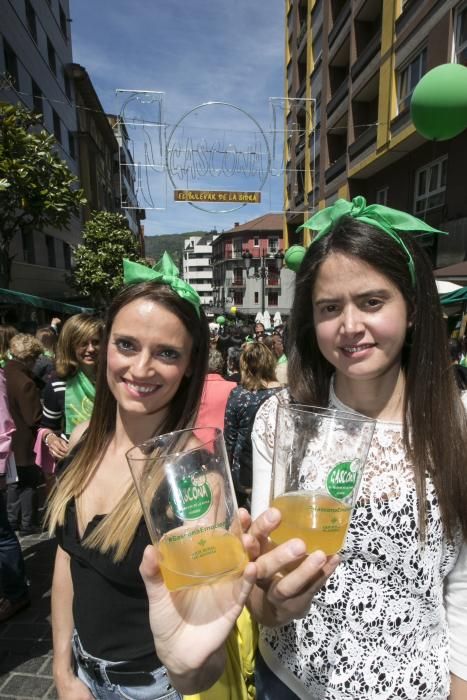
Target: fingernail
(319, 558)
(297, 547)
(271, 515)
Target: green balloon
(439, 102)
(294, 256)
(220, 320)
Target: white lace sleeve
(456, 610)
(262, 438)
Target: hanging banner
(217, 196)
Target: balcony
(409, 9)
(364, 141)
(402, 120)
(273, 283)
(339, 23)
(338, 97)
(301, 34)
(366, 55)
(336, 168)
(237, 284)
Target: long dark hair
(116, 531)
(434, 424)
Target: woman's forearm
(458, 688)
(196, 681)
(62, 614)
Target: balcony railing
(338, 97)
(336, 168)
(366, 55)
(409, 9)
(403, 119)
(364, 141)
(341, 19)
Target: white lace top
(378, 628)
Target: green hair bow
(164, 272)
(388, 220)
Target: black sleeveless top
(110, 605)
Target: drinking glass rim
(327, 412)
(217, 432)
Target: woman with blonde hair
(68, 397)
(25, 408)
(257, 383)
(114, 623)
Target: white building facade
(197, 266)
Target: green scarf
(79, 400)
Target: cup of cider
(319, 456)
(188, 500)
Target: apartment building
(248, 272)
(197, 266)
(35, 52)
(356, 63)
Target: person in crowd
(367, 336)
(259, 329)
(275, 344)
(232, 373)
(14, 595)
(119, 627)
(68, 398)
(45, 363)
(460, 372)
(216, 391)
(26, 411)
(233, 338)
(6, 334)
(258, 383)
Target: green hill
(171, 242)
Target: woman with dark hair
(367, 336)
(151, 371)
(6, 334)
(258, 383)
(68, 397)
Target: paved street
(25, 639)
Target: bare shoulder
(77, 433)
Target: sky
(192, 51)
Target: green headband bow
(388, 220)
(164, 272)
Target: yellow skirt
(237, 680)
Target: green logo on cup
(341, 480)
(191, 497)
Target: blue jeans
(268, 685)
(101, 688)
(12, 575)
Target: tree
(38, 189)
(98, 269)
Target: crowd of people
(386, 618)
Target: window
(430, 186)
(50, 243)
(51, 56)
(238, 276)
(38, 105)
(382, 196)
(237, 247)
(256, 242)
(461, 36)
(407, 79)
(273, 245)
(11, 64)
(238, 298)
(67, 255)
(256, 297)
(273, 298)
(31, 20)
(71, 145)
(28, 248)
(57, 126)
(67, 84)
(63, 25)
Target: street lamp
(262, 272)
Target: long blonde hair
(116, 531)
(76, 330)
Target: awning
(41, 303)
(457, 297)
